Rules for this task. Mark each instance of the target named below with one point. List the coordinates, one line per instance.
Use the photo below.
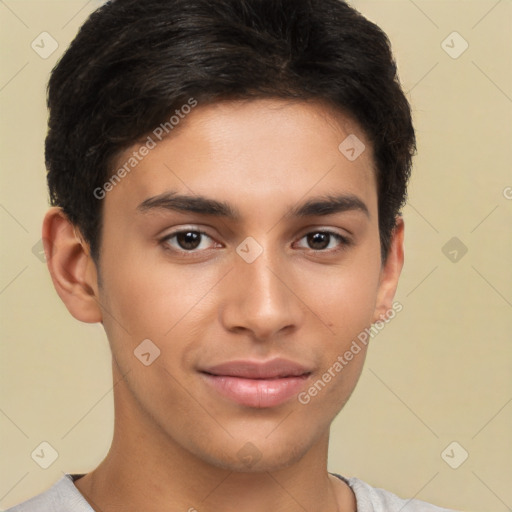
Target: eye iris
(189, 239)
(318, 241)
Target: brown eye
(189, 240)
(325, 241)
(318, 241)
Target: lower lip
(259, 393)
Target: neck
(146, 469)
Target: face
(245, 247)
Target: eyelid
(342, 233)
(344, 240)
(185, 229)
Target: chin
(258, 456)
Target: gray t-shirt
(65, 497)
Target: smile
(257, 384)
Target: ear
(390, 272)
(71, 267)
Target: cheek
(148, 298)
(343, 297)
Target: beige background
(440, 372)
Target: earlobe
(71, 267)
(390, 272)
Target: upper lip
(272, 369)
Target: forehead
(259, 152)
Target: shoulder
(61, 497)
(372, 499)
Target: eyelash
(344, 242)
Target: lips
(257, 384)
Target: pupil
(318, 241)
(189, 240)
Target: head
(227, 183)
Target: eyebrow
(319, 206)
(328, 205)
(184, 203)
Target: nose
(260, 300)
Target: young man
(226, 180)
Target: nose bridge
(262, 278)
(260, 300)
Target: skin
(176, 439)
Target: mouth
(257, 384)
